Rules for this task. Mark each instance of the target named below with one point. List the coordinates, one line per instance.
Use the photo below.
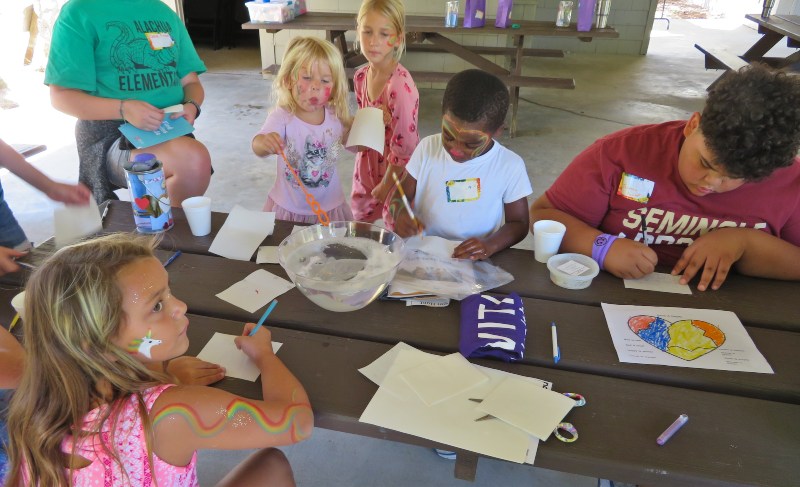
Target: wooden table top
(786, 25)
(729, 440)
(757, 302)
(741, 432)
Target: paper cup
(18, 303)
(198, 213)
(547, 236)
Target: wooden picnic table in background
(422, 28)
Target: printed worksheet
(683, 337)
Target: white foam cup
(18, 303)
(198, 212)
(547, 236)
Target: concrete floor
(612, 92)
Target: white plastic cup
(198, 212)
(18, 303)
(547, 236)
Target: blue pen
(172, 257)
(264, 317)
(556, 350)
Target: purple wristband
(600, 248)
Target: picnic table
(773, 29)
(740, 432)
(421, 28)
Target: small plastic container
(270, 12)
(572, 271)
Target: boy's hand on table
(194, 371)
(714, 254)
(473, 249)
(630, 260)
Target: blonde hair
(392, 10)
(73, 309)
(301, 53)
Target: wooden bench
(511, 81)
(721, 59)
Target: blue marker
(171, 257)
(556, 350)
(264, 316)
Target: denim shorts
(11, 234)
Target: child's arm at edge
(189, 418)
(12, 358)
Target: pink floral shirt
(399, 102)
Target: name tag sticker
(463, 190)
(159, 40)
(635, 188)
(572, 268)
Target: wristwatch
(195, 105)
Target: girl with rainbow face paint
(98, 313)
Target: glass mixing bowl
(344, 266)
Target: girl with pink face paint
(309, 124)
(383, 83)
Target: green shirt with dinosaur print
(122, 49)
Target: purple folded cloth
(493, 326)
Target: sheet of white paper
(443, 378)
(242, 233)
(438, 246)
(529, 407)
(683, 337)
(267, 255)
(72, 223)
(377, 370)
(174, 109)
(451, 422)
(221, 350)
(659, 281)
(368, 129)
(255, 290)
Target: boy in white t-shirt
(465, 185)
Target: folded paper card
(267, 255)
(443, 378)
(255, 290)
(529, 407)
(241, 234)
(368, 129)
(452, 422)
(221, 350)
(169, 129)
(658, 281)
(72, 222)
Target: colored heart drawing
(685, 339)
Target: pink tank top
(131, 447)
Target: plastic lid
(143, 157)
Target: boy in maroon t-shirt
(701, 196)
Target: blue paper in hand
(169, 129)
